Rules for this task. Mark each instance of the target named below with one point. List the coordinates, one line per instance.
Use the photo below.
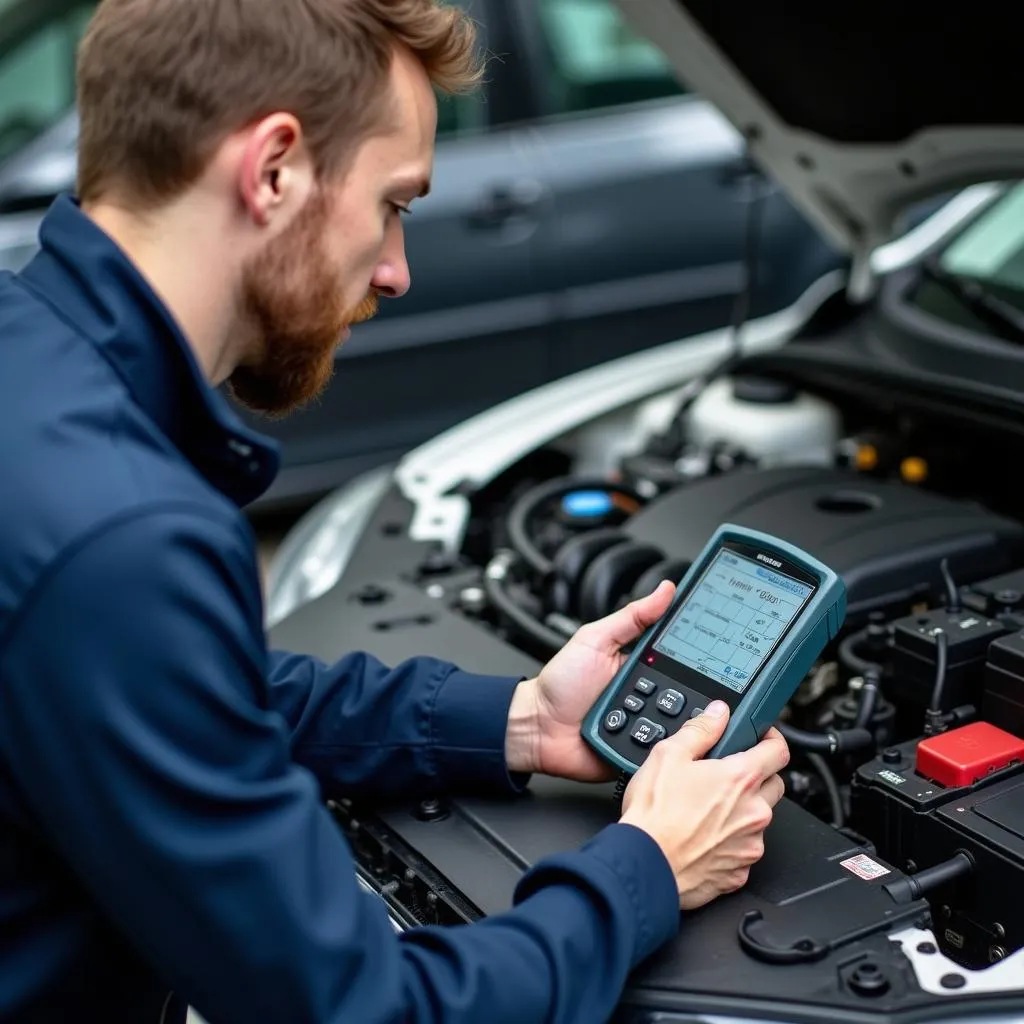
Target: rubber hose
(831, 788)
(941, 666)
(527, 504)
(835, 742)
(852, 660)
(521, 618)
(866, 706)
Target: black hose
(621, 784)
(941, 666)
(915, 887)
(522, 619)
(831, 788)
(528, 503)
(856, 664)
(952, 593)
(839, 741)
(866, 705)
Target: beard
(294, 308)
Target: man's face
(341, 253)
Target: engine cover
(884, 538)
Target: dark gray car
(535, 255)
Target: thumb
(625, 625)
(700, 734)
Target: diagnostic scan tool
(746, 625)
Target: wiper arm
(1000, 314)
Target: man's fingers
(773, 790)
(700, 734)
(768, 757)
(625, 625)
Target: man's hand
(546, 713)
(707, 816)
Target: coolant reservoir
(770, 421)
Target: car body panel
(852, 147)
(535, 256)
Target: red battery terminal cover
(962, 756)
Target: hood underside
(857, 111)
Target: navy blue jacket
(162, 774)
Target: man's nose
(392, 278)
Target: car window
(37, 74)
(596, 60)
(466, 114)
(978, 278)
(460, 115)
(991, 249)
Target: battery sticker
(864, 867)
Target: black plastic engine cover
(884, 538)
(805, 892)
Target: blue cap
(587, 504)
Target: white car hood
(857, 111)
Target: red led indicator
(650, 659)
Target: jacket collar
(87, 278)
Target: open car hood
(858, 110)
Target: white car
(879, 424)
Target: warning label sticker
(864, 867)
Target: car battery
(1002, 702)
(963, 790)
(1001, 597)
(915, 657)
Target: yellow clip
(914, 470)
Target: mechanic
(243, 170)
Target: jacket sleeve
(422, 726)
(136, 728)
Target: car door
(650, 193)
(473, 329)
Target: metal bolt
(436, 591)
(473, 600)
(432, 810)
(998, 931)
(995, 954)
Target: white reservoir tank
(769, 420)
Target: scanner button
(671, 702)
(631, 702)
(696, 712)
(644, 686)
(646, 732)
(615, 720)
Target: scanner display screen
(732, 619)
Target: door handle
(503, 204)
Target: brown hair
(162, 83)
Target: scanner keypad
(649, 707)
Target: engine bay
(894, 872)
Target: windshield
(38, 40)
(991, 250)
(977, 280)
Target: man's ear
(276, 172)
